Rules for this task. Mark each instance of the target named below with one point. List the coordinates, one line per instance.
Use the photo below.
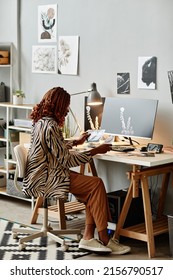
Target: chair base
(45, 231)
(53, 234)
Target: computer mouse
(143, 149)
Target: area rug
(42, 248)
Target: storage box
(24, 138)
(4, 57)
(13, 135)
(23, 123)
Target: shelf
(5, 65)
(3, 139)
(138, 231)
(21, 106)
(12, 161)
(3, 170)
(3, 192)
(11, 111)
(19, 128)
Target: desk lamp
(94, 99)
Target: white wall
(113, 34)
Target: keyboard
(122, 148)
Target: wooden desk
(142, 169)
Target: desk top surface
(134, 159)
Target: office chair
(21, 157)
(60, 210)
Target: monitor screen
(129, 117)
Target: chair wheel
(64, 247)
(15, 235)
(22, 246)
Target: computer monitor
(129, 117)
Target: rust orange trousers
(91, 191)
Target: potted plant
(18, 96)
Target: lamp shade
(94, 97)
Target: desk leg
(163, 193)
(148, 216)
(82, 169)
(93, 169)
(124, 211)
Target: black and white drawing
(147, 72)
(44, 59)
(68, 55)
(170, 77)
(123, 83)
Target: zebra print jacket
(49, 161)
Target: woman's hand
(101, 149)
(83, 137)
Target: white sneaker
(117, 248)
(94, 246)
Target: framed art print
(147, 72)
(44, 59)
(68, 55)
(47, 23)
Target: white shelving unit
(11, 111)
(6, 72)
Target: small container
(17, 100)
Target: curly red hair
(53, 104)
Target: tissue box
(4, 57)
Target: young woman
(48, 171)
